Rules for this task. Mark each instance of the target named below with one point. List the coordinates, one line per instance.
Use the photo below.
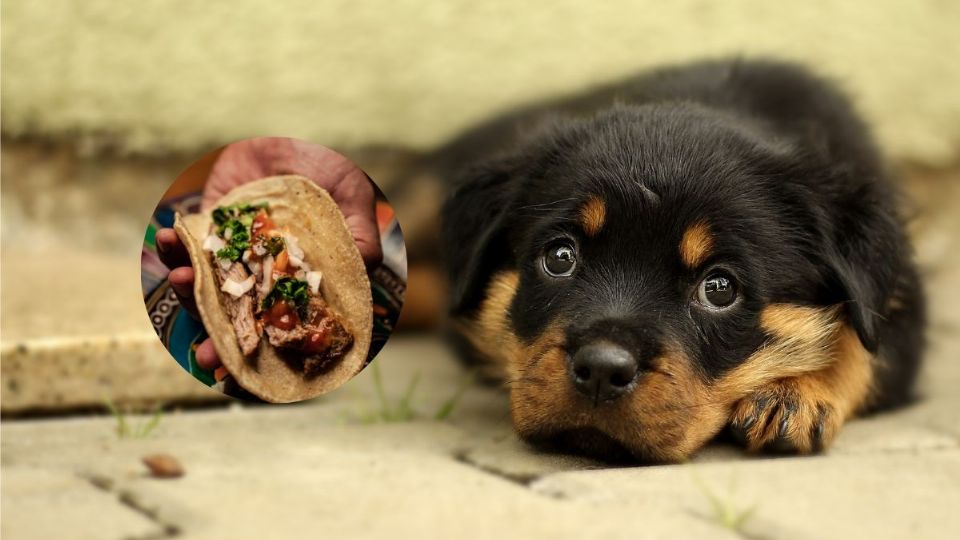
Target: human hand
(173, 254)
(252, 159)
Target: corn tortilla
(314, 218)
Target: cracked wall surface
(162, 76)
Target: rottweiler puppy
(703, 246)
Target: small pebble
(163, 466)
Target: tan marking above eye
(593, 214)
(696, 244)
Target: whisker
(544, 205)
(535, 380)
(541, 354)
(681, 408)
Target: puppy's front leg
(804, 413)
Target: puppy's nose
(602, 371)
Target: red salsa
(282, 315)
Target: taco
(281, 288)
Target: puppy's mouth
(588, 442)
(649, 415)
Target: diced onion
(313, 280)
(292, 246)
(259, 250)
(300, 274)
(213, 243)
(228, 233)
(255, 267)
(267, 282)
(225, 263)
(238, 289)
(246, 255)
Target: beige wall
(161, 75)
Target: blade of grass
(741, 520)
(381, 395)
(147, 427)
(724, 510)
(119, 416)
(404, 409)
(718, 507)
(451, 403)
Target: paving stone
(900, 495)
(940, 414)
(60, 374)
(72, 339)
(75, 331)
(85, 294)
(274, 473)
(909, 430)
(508, 456)
(42, 504)
(333, 465)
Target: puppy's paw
(788, 416)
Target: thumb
(355, 196)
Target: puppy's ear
(862, 299)
(476, 218)
(866, 261)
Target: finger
(368, 243)
(349, 186)
(206, 356)
(357, 200)
(171, 250)
(181, 281)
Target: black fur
(776, 161)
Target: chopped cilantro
(274, 245)
(237, 219)
(292, 290)
(222, 214)
(230, 253)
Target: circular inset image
(273, 269)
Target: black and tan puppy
(703, 246)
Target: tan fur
(696, 244)
(489, 332)
(666, 418)
(811, 360)
(593, 214)
(835, 392)
(801, 339)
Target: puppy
(703, 246)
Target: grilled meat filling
(241, 309)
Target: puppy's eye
(559, 259)
(718, 290)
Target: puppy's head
(642, 270)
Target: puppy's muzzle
(602, 371)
